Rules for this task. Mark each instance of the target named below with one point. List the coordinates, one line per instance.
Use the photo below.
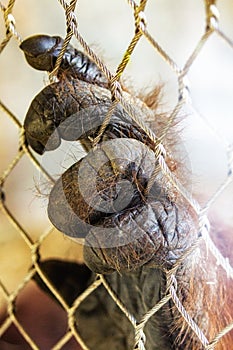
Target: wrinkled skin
(141, 234)
(141, 229)
(72, 110)
(150, 233)
(41, 52)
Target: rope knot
(9, 23)
(22, 139)
(160, 150)
(204, 224)
(116, 90)
(140, 20)
(71, 20)
(184, 91)
(35, 255)
(141, 340)
(212, 16)
(2, 194)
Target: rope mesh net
(35, 244)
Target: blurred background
(108, 26)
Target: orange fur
(203, 286)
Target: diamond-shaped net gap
(28, 238)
